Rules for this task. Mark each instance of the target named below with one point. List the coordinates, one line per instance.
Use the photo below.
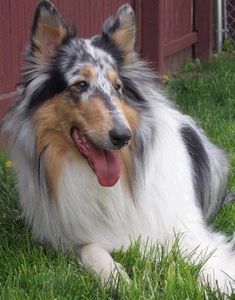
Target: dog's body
(79, 186)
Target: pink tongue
(105, 163)
(106, 166)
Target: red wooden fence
(173, 31)
(169, 31)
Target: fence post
(152, 33)
(203, 12)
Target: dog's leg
(100, 262)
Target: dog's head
(77, 98)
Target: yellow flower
(8, 164)
(165, 78)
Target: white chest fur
(91, 213)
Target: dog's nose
(120, 136)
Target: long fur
(173, 180)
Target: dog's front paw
(118, 273)
(100, 262)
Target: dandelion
(8, 164)
(165, 78)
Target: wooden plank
(14, 28)
(203, 26)
(5, 47)
(178, 19)
(176, 60)
(180, 44)
(153, 33)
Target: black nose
(120, 136)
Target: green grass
(30, 271)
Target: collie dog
(103, 158)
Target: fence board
(178, 19)
(5, 47)
(153, 32)
(203, 25)
(180, 44)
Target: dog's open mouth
(105, 163)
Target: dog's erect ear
(121, 30)
(48, 31)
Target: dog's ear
(49, 30)
(120, 30)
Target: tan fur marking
(96, 120)
(113, 77)
(53, 121)
(49, 35)
(53, 136)
(127, 167)
(89, 72)
(53, 158)
(124, 39)
(131, 114)
(126, 154)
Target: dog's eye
(82, 85)
(117, 86)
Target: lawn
(30, 271)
